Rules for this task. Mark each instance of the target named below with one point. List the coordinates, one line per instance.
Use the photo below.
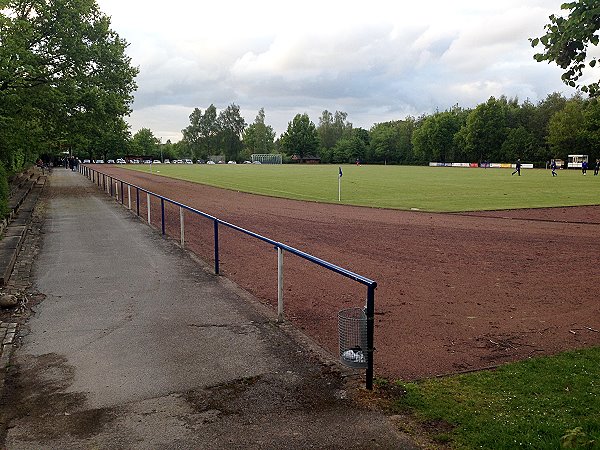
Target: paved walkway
(136, 346)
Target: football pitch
(441, 189)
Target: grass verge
(541, 403)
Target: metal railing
(114, 186)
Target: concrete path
(137, 346)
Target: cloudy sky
(377, 61)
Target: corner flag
(340, 185)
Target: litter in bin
(354, 355)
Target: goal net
(267, 158)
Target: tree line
(498, 130)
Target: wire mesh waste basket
(352, 327)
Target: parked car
(200, 161)
(134, 161)
(210, 162)
(156, 161)
(256, 162)
(86, 161)
(120, 161)
(231, 162)
(247, 162)
(99, 161)
(167, 161)
(187, 161)
(147, 161)
(110, 161)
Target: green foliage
(144, 143)
(231, 128)
(391, 142)
(301, 137)
(259, 137)
(567, 41)
(402, 187)
(433, 139)
(65, 81)
(210, 133)
(540, 403)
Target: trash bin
(352, 327)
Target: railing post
(117, 190)
(148, 205)
(182, 226)
(280, 316)
(162, 215)
(370, 331)
(111, 186)
(129, 196)
(122, 196)
(104, 182)
(137, 200)
(216, 247)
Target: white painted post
(148, 205)
(181, 216)
(129, 195)
(117, 190)
(280, 284)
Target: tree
(391, 141)
(259, 137)
(332, 128)
(433, 139)
(567, 40)
(567, 132)
(231, 127)
(486, 130)
(144, 143)
(63, 74)
(301, 137)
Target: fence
(120, 189)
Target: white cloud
(377, 61)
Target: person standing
(597, 167)
(517, 167)
(553, 167)
(584, 167)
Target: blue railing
(110, 185)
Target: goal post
(267, 158)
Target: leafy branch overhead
(568, 39)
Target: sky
(377, 61)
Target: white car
(210, 162)
(110, 161)
(231, 162)
(156, 161)
(187, 161)
(147, 161)
(86, 161)
(99, 161)
(120, 161)
(167, 161)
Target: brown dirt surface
(456, 292)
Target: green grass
(400, 187)
(530, 404)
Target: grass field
(399, 187)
